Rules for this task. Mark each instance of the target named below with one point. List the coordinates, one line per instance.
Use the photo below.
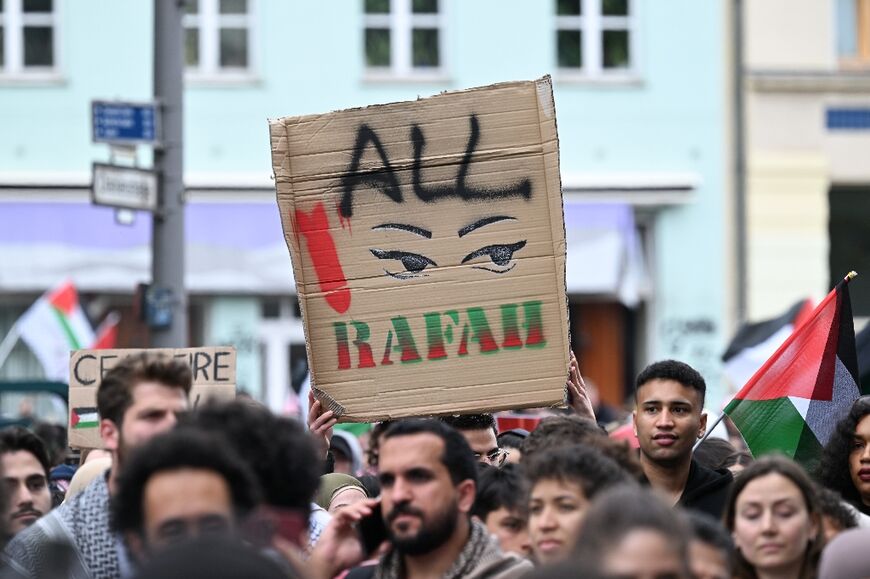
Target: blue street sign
(125, 123)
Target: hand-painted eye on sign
(428, 248)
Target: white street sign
(126, 187)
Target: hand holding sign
(578, 397)
(320, 423)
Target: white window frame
(401, 22)
(13, 19)
(592, 24)
(209, 21)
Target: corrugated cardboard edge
(328, 401)
(547, 106)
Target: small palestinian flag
(754, 343)
(794, 401)
(54, 325)
(85, 417)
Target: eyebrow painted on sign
(383, 178)
(482, 222)
(405, 227)
(443, 329)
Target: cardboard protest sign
(214, 376)
(428, 247)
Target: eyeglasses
(495, 457)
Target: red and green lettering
(534, 325)
(405, 339)
(440, 330)
(510, 327)
(435, 337)
(480, 331)
(364, 349)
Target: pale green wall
(308, 56)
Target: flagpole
(8, 343)
(709, 430)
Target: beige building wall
(793, 78)
(789, 34)
(787, 207)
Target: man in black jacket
(668, 420)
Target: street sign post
(126, 123)
(125, 187)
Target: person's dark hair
(375, 442)
(570, 569)
(457, 457)
(497, 488)
(587, 467)
(775, 464)
(831, 507)
(371, 484)
(676, 371)
(176, 450)
(711, 532)
(621, 510)
(741, 457)
(115, 393)
(713, 452)
(833, 471)
(513, 438)
(213, 557)
(471, 422)
(55, 439)
(558, 431)
(278, 450)
(18, 438)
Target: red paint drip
(314, 227)
(344, 221)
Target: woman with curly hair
(774, 517)
(845, 465)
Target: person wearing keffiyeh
(137, 399)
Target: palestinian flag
(793, 402)
(755, 343)
(84, 417)
(53, 326)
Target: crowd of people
(232, 490)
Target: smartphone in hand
(372, 531)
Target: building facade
(644, 120)
(808, 144)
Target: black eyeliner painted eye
(500, 255)
(413, 263)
